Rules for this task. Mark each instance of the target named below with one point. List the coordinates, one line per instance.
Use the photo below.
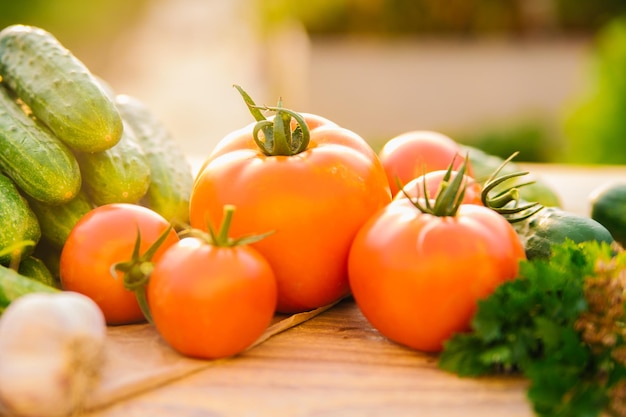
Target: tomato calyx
(221, 238)
(137, 270)
(449, 196)
(278, 137)
(507, 202)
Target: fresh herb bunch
(561, 324)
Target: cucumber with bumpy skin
(120, 174)
(35, 268)
(171, 173)
(58, 88)
(50, 256)
(37, 161)
(14, 285)
(57, 221)
(18, 223)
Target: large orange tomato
(417, 276)
(101, 239)
(307, 180)
(414, 153)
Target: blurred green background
(444, 17)
(593, 124)
(591, 127)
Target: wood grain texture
(335, 364)
(138, 359)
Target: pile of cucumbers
(69, 144)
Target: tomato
(314, 201)
(211, 301)
(434, 180)
(417, 276)
(102, 238)
(414, 153)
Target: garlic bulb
(51, 352)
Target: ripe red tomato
(314, 201)
(417, 277)
(414, 153)
(102, 238)
(210, 301)
(433, 181)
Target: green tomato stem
(449, 196)
(222, 238)
(142, 300)
(138, 269)
(507, 202)
(278, 138)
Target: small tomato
(212, 298)
(414, 153)
(101, 239)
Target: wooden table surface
(334, 364)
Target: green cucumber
(51, 257)
(57, 221)
(120, 174)
(171, 173)
(58, 88)
(36, 269)
(14, 285)
(608, 207)
(36, 160)
(552, 225)
(18, 223)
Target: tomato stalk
(278, 138)
(449, 197)
(508, 202)
(138, 269)
(221, 237)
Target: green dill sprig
(561, 325)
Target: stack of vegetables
(68, 144)
(445, 249)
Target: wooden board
(335, 364)
(138, 359)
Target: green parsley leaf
(530, 326)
